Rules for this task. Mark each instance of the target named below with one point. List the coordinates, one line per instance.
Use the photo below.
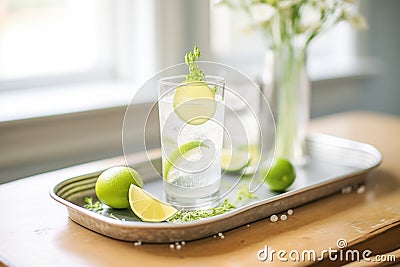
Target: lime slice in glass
(181, 153)
(194, 102)
(147, 207)
(234, 162)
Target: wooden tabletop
(36, 231)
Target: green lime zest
(244, 194)
(93, 206)
(114, 217)
(97, 207)
(226, 206)
(194, 215)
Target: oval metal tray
(333, 164)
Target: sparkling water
(193, 180)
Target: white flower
(355, 20)
(287, 3)
(262, 12)
(229, 3)
(359, 22)
(310, 15)
(288, 19)
(322, 5)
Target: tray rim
(194, 224)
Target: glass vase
(292, 101)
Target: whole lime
(112, 186)
(281, 175)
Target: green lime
(181, 152)
(112, 186)
(147, 207)
(234, 162)
(281, 175)
(194, 102)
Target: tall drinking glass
(191, 117)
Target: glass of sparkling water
(191, 117)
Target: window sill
(57, 100)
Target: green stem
(291, 107)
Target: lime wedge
(181, 152)
(234, 162)
(147, 207)
(194, 102)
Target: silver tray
(333, 164)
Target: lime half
(234, 161)
(182, 152)
(281, 175)
(194, 102)
(147, 207)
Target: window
(45, 39)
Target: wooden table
(36, 231)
